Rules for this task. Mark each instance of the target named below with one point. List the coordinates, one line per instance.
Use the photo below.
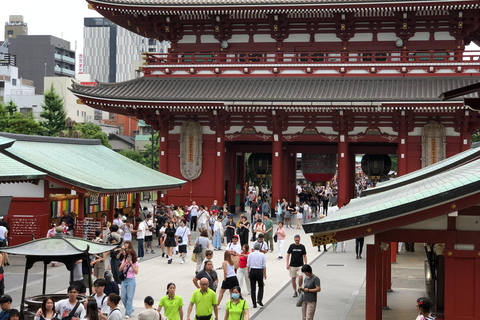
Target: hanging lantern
(260, 163)
(376, 165)
(319, 167)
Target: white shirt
(3, 230)
(217, 226)
(256, 260)
(148, 224)
(184, 233)
(263, 245)
(193, 210)
(203, 217)
(63, 308)
(235, 247)
(104, 308)
(141, 231)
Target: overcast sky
(59, 18)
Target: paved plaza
(342, 282)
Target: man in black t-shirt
(298, 255)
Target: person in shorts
(296, 258)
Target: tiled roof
(14, 171)
(276, 89)
(441, 166)
(250, 2)
(127, 139)
(87, 164)
(421, 194)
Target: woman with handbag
(280, 234)
(169, 240)
(242, 272)
(242, 229)
(230, 277)
(235, 249)
(217, 234)
(237, 307)
(202, 241)
(129, 269)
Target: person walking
(129, 266)
(182, 237)
(172, 303)
(257, 271)
(149, 229)
(237, 307)
(205, 301)
(268, 231)
(311, 287)
(280, 233)
(242, 272)
(235, 249)
(298, 255)
(278, 210)
(63, 307)
(229, 275)
(217, 234)
(423, 308)
(205, 243)
(141, 230)
(243, 229)
(193, 210)
(149, 313)
(359, 247)
(169, 239)
(209, 273)
(230, 228)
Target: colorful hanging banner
(70, 205)
(96, 204)
(123, 200)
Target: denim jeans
(141, 252)
(127, 293)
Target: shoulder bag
(300, 299)
(180, 238)
(198, 247)
(122, 276)
(72, 313)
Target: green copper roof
(441, 166)
(142, 137)
(423, 193)
(87, 164)
(58, 246)
(14, 171)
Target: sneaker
(295, 294)
(146, 251)
(170, 261)
(163, 254)
(153, 251)
(127, 317)
(183, 261)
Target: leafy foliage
(16, 122)
(476, 136)
(145, 157)
(92, 131)
(53, 112)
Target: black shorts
(3, 243)
(170, 242)
(230, 282)
(148, 238)
(182, 248)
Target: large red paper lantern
(319, 167)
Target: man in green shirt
(268, 231)
(204, 300)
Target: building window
(151, 42)
(78, 113)
(152, 49)
(25, 111)
(14, 82)
(10, 32)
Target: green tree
(4, 118)
(147, 154)
(11, 107)
(133, 155)
(476, 136)
(53, 112)
(92, 131)
(24, 124)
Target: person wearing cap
(263, 247)
(257, 272)
(6, 305)
(230, 228)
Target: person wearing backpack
(100, 296)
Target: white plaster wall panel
(22, 190)
(294, 130)
(468, 223)
(438, 223)
(239, 38)
(420, 36)
(388, 130)
(450, 132)
(207, 130)
(298, 38)
(208, 38)
(176, 130)
(263, 38)
(358, 130)
(188, 39)
(416, 132)
(361, 37)
(443, 35)
(233, 129)
(387, 36)
(327, 130)
(327, 37)
(262, 129)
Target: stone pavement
(342, 280)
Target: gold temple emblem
(321, 239)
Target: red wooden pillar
(111, 207)
(232, 188)
(370, 285)
(402, 145)
(378, 281)
(81, 205)
(137, 205)
(343, 171)
(386, 256)
(163, 158)
(389, 266)
(286, 175)
(241, 177)
(465, 135)
(220, 163)
(292, 172)
(277, 156)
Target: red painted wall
(414, 153)
(38, 208)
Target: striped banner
(59, 206)
(101, 204)
(124, 200)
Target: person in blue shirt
(6, 305)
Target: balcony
(65, 71)
(288, 63)
(63, 58)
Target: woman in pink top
(129, 266)
(280, 232)
(242, 272)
